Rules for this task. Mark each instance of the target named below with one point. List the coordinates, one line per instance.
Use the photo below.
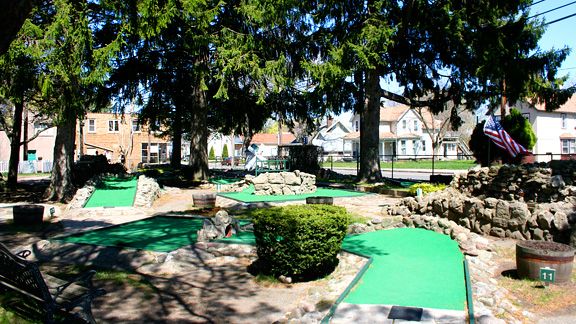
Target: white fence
(28, 166)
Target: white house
(331, 137)
(555, 130)
(403, 134)
(268, 143)
(217, 141)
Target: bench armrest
(85, 278)
(24, 254)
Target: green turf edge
(469, 298)
(351, 285)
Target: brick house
(121, 137)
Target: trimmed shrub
(211, 154)
(225, 151)
(426, 188)
(301, 242)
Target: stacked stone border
(147, 192)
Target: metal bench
(28, 292)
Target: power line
(535, 3)
(559, 19)
(553, 9)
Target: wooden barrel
(320, 200)
(28, 214)
(204, 200)
(533, 255)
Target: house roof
(568, 107)
(567, 135)
(383, 135)
(260, 138)
(394, 113)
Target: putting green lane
(411, 267)
(114, 192)
(247, 195)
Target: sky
(559, 34)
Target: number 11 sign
(547, 275)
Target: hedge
(301, 242)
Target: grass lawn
(422, 164)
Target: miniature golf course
(114, 192)
(247, 195)
(410, 267)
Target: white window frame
(403, 147)
(415, 125)
(423, 143)
(113, 126)
(91, 125)
(564, 120)
(568, 146)
(404, 124)
(135, 125)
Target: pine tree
(211, 154)
(225, 151)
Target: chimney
(329, 121)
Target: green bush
(225, 151)
(301, 242)
(426, 188)
(211, 154)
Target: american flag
(501, 138)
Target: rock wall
(283, 183)
(528, 182)
(495, 217)
(147, 192)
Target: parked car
(228, 161)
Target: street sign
(547, 274)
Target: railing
(271, 165)
(36, 166)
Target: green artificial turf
(247, 195)
(225, 181)
(160, 234)
(411, 267)
(114, 192)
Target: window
(415, 146)
(563, 120)
(568, 146)
(403, 147)
(135, 125)
(415, 125)
(356, 126)
(404, 124)
(113, 126)
(40, 127)
(423, 143)
(91, 125)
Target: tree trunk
(15, 145)
(61, 187)
(199, 135)
(25, 135)
(369, 131)
(176, 158)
